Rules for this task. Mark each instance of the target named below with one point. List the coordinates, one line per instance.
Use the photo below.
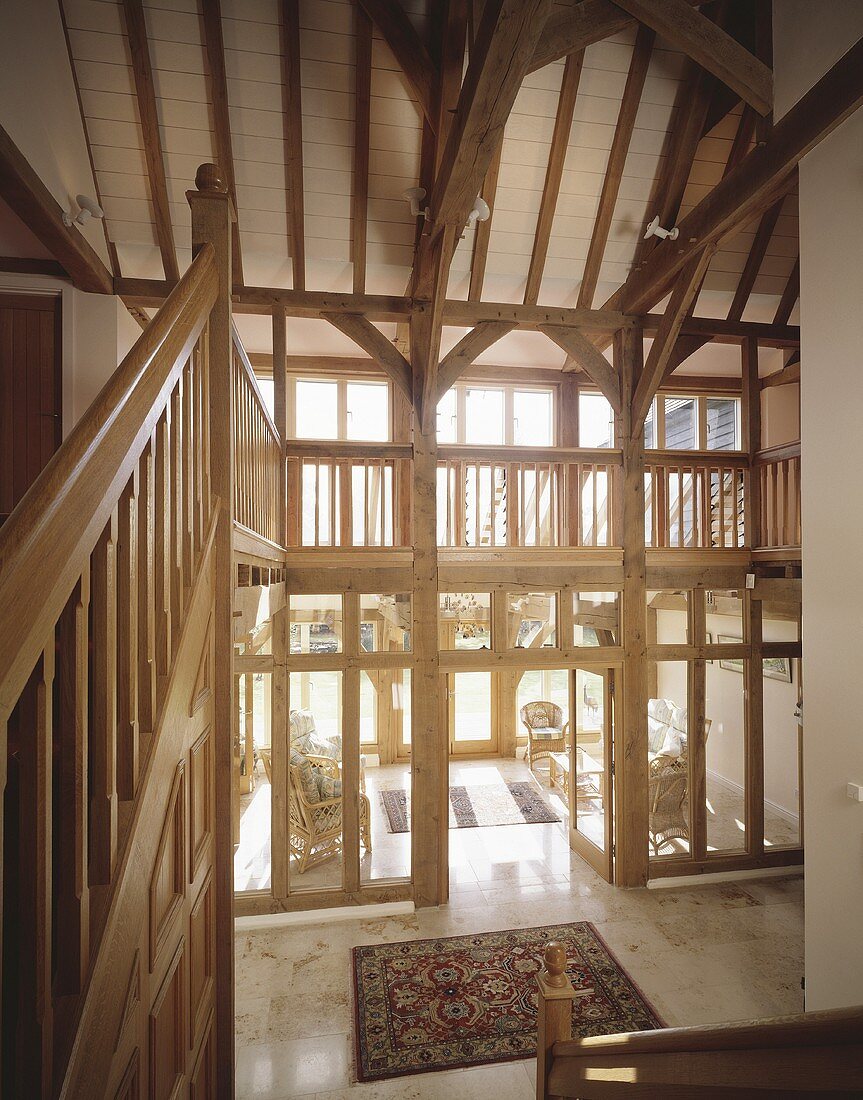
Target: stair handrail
(586, 1067)
(47, 539)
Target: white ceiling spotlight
(414, 196)
(654, 229)
(479, 212)
(88, 208)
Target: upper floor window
(693, 423)
(595, 420)
(336, 408)
(497, 415)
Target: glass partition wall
(723, 738)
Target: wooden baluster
(368, 539)
(796, 525)
(72, 900)
(705, 508)
(346, 534)
(576, 506)
(786, 504)
(594, 505)
(681, 534)
(555, 995)
(206, 472)
(721, 478)
(35, 881)
(103, 730)
(660, 489)
(774, 496)
(197, 459)
(380, 466)
(294, 490)
(128, 763)
(147, 589)
(161, 550)
(187, 471)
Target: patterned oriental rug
(470, 1000)
(471, 807)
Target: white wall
(780, 415)
(808, 39)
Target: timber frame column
(630, 743)
(429, 741)
(212, 217)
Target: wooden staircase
(115, 717)
(812, 1054)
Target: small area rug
(471, 807)
(470, 1000)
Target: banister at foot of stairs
(811, 1054)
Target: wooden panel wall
(30, 391)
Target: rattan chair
(546, 730)
(668, 787)
(316, 827)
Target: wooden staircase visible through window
(116, 581)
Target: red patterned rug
(470, 1000)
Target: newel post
(555, 994)
(212, 214)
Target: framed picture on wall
(775, 668)
(778, 668)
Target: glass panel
(315, 785)
(471, 703)
(267, 388)
(681, 427)
(650, 426)
(484, 416)
(723, 424)
(668, 617)
(252, 857)
(385, 812)
(370, 684)
(726, 756)
(533, 424)
(316, 624)
(317, 482)
(724, 618)
(668, 759)
(590, 737)
(595, 421)
(368, 410)
(385, 622)
(531, 619)
(596, 618)
(317, 410)
(446, 418)
(464, 621)
(782, 733)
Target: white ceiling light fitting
(654, 229)
(414, 196)
(88, 208)
(479, 212)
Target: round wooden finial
(555, 964)
(209, 178)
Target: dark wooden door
(30, 391)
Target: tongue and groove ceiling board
(254, 39)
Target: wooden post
(280, 408)
(750, 422)
(555, 994)
(429, 745)
(212, 214)
(754, 718)
(279, 745)
(630, 800)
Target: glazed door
(591, 772)
(472, 711)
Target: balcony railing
(256, 453)
(778, 494)
(342, 495)
(695, 500)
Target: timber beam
(373, 341)
(34, 204)
(585, 355)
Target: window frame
(509, 390)
(657, 408)
(341, 382)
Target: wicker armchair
(546, 730)
(316, 826)
(668, 787)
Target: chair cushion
(671, 746)
(330, 747)
(306, 773)
(546, 733)
(328, 785)
(656, 733)
(302, 724)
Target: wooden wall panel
(200, 802)
(168, 884)
(167, 1038)
(201, 972)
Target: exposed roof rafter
(362, 108)
(142, 70)
(293, 123)
(398, 32)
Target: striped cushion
(546, 733)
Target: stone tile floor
(701, 955)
